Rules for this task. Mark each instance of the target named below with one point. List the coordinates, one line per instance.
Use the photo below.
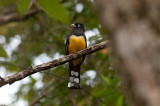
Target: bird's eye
(78, 25)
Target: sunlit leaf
(54, 9)
(23, 6)
(3, 52)
(33, 81)
(120, 101)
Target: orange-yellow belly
(76, 43)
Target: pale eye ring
(78, 25)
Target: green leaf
(111, 81)
(120, 101)
(54, 9)
(101, 93)
(3, 53)
(12, 68)
(107, 80)
(33, 81)
(111, 98)
(23, 6)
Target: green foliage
(110, 93)
(23, 6)
(120, 101)
(6, 2)
(3, 52)
(54, 9)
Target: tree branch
(31, 70)
(16, 17)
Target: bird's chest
(76, 43)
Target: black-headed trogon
(76, 41)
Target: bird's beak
(73, 25)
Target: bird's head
(78, 26)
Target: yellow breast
(76, 43)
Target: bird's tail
(74, 77)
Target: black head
(78, 26)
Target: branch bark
(16, 17)
(31, 70)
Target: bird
(76, 41)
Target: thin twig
(10, 64)
(42, 95)
(16, 17)
(72, 98)
(48, 89)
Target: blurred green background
(41, 38)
